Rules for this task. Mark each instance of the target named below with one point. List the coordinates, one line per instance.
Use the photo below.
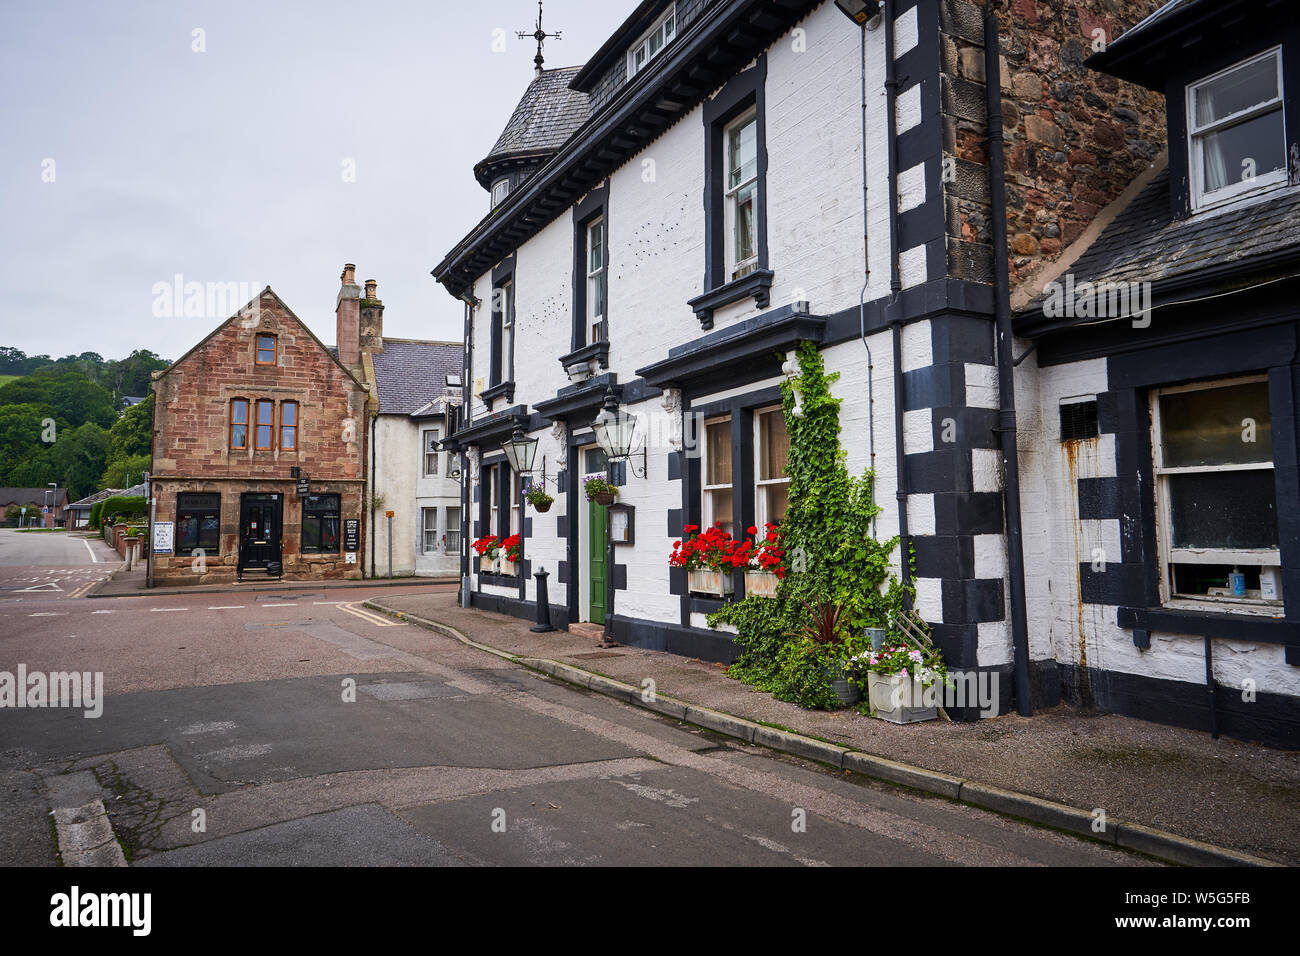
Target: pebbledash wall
(191, 440)
(666, 364)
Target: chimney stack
(348, 313)
(372, 319)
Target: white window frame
(761, 485)
(1196, 136)
(508, 330)
(452, 529)
(596, 274)
(666, 26)
(425, 531)
(737, 269)
(500, 192)
(425, 453)
(494, 508)
(1168, 554)
(707, 517)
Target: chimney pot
(349, 274)
(371, 285)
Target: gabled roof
(1145, 244)
(633, 27)
(332, 352)
(97, 497)
(409, 375)
(1143, 53)
(547, 115)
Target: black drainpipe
(1006, 359)
(895, 288)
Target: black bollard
(544, 625)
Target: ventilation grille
(1079, 421)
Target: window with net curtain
(772, 449)
(1238, 139)
(717, 472)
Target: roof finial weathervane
(541, 36)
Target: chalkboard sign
(352, 534)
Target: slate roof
(85, 503)
(31, 496)
(547, 115)
(1158, 18)
(1142, 244)
(409, 375)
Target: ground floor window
(453, 531)
(772, 451)
(320, 524)
(198, 523)
(1216, 499)
(430, 526)
(716, 469)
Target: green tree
(74, 398)
(79, 457)
(34, 471)
(133, 374)
(132, 434)
(21, 428)
(125, 472)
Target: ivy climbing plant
(833, 557)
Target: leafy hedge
(827, 537)
(121, 506)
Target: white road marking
(161, 610)
(101, 612)
(49, 614)
(330, 603)
(228, 607)
(91, 550)
(279, 605)
(48, 586)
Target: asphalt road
(40, 565)
(297, 728)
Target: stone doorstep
(1157, 843)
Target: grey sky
(228, 165)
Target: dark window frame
(187, 505)
(311, 506)
(595, 205)
(501, 365)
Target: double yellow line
(372, 617)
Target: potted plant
(897, 679)
(709, 558)
(766, 565)
(487, 548)
(539, 499)
(599, 490)
(825, 628)
(510, 554)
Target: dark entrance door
(260, 528)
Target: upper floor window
(288, 426)
(265, 349)
(653, 43)
(500, 190)
(239, 424)
(265, 423)
(1236, 130)
(431, 452)
(595, 278)
(741, 200)
(1215, 492)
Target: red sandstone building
(259, 449)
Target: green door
(599, 549)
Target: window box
(898, 699)
(761, 584)
(716, 583)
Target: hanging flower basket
(543, 506)
(599, 490)
(539, 499)
(716, 583)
